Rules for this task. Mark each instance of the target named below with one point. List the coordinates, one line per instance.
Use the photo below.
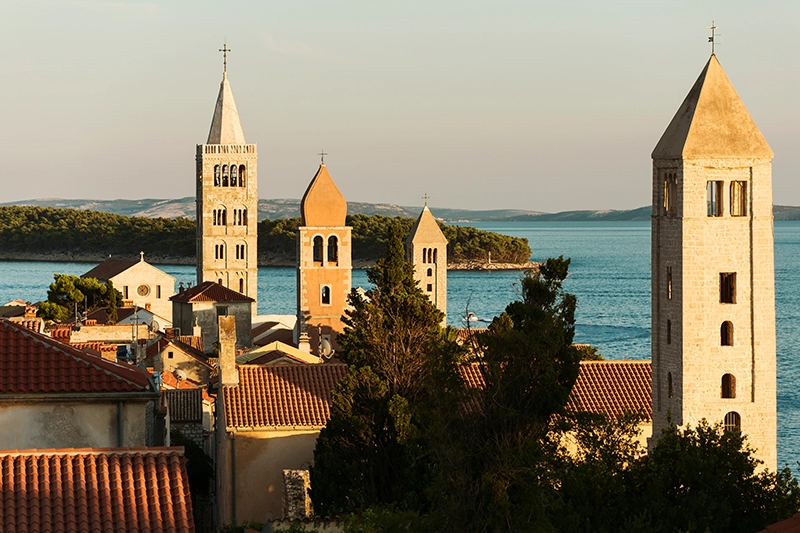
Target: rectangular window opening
(738, 198)
(714, 198)
(727, 287)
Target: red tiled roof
(613, 388)
(790, 525)
(210, 291)
(33, 363)
(99, 490)
(34, 324)
(282, 395)
(109, 268)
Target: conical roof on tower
(226, 128)
(323, 204)
(712, 122)
(426, 229)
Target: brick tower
(227, 201)
(426, 249)
(323, 263)
(713, 296)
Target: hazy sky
(541, 105)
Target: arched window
(434, 255)
(224, 217)
(732, 422)
(216, 175)
(234, 175)
(241, 285)
(318, 249)
(325, 295)
(333, 249)
(241, 175)
(424, 255)
(669, 384)
(728, 386)
(430, 272)
(244, 216)
(219, 281)
(669, 332)
(726, 333)
(215, 217)
(430, 255)
(224, 175)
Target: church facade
(713, 298)
(227, 201)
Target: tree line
(44, 230)
(426, 434)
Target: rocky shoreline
(263, 261)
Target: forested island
(47, 233)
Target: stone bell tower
(227, 201)
(323, 264)
(426, 249)
(713, 296)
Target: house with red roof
(54, 395)
(201, 306)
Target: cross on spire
(322, 155)
(713, 38)
(225, 51)
(425, 198)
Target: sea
(609, 274)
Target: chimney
(169, 333)
(30, 311)
(228, 375)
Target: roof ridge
(152, 450)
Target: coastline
(263, 261)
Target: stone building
(203, 304)
(140, 283)
(713, 302)
(323, 264)
(426, 249)
(227, 202)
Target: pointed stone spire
(225, 126)
(427, 230)
(323, 204)
(712, 122)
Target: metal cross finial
(322, 155)
(712, 39)
(425, 198)
(141, 256)
(225, 51)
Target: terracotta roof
(613, 388)
(33, 363)
(99, 490)
(282, 395)
(109, 268)
(8, 311)
(790, 525)
(464, 334)
(161, 344)
(210, 291)
(184, 405)
(34, 324)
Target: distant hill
(290, 208)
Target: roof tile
(210, 291)
(103, 490)
(109, 268)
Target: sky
(505, 104)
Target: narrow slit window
(669, 384)
(241, 285)
(714, 198)
(669, 283)
(727, 287)
(326, 295)
(669, 332)
(333, 249)
(318, 249)
(738, 198)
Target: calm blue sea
(610, 274)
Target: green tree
(372, 449)
(68, 291)
(497, 467)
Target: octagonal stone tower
(227, 202)
(713, 297)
